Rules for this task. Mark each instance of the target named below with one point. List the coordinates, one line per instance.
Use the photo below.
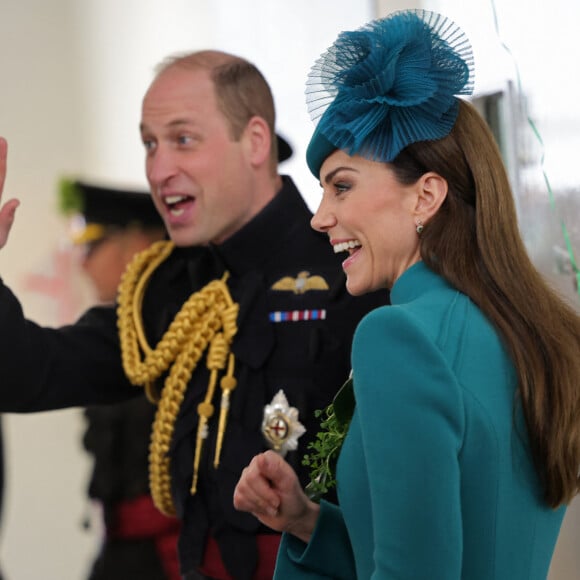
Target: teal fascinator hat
(391, 83)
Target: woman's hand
(270, 490)
(7, 210)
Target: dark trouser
(124, 559)
(195, 576)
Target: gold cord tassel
(227, 384)
(215, 361)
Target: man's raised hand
(8, 209)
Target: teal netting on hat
(390, 83)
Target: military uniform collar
(260, 238)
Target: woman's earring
(419, 227)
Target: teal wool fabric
(435, 478)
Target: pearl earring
(419, 227)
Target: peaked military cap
(97, 209)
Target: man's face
(202, 181)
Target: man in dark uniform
(240, 327)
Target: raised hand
(7, 210)
(271, 491)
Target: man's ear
(432, 193)
(258, 140)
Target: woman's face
(367, 213)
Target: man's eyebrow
(172, 124)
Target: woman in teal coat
(463, 441)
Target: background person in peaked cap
(111, 225)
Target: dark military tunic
(2, 466)
(277, 346)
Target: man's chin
(184, 239)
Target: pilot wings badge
(301, 284)
(280, 425)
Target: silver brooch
(280, 425)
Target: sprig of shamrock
(325, 450)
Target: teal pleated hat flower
(391, 83)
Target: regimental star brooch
(280, 426)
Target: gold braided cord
(131, 334)
(208, 318)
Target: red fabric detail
(166, 546)
(139, 519)
(213, 566)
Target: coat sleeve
(327, 555)
(50, 368)
(410, 410)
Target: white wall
(39, 104)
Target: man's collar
(266, 232)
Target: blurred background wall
(72, 78)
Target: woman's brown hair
(474, 242)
